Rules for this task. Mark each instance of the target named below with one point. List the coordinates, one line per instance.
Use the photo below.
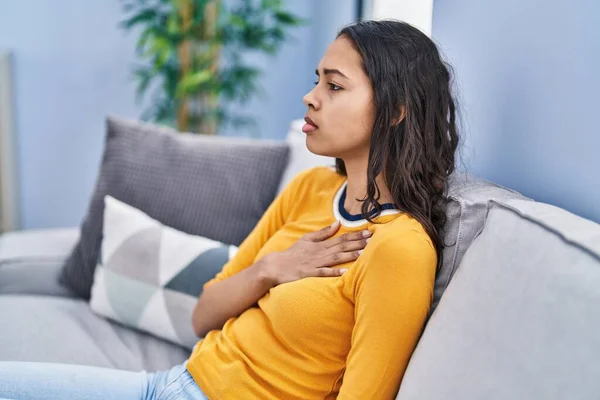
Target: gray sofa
(518, 320)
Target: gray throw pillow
(215, 187)
(468, 200)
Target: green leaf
(270, 4)
(237, 21)
(159, 50)
(142, 41)
(191, 82)
(141, 17)
(286, 18)
(144, 76)
(173, 25)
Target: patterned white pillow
(149, 275)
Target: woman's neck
(356, 171)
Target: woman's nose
(309, 99)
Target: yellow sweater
(347, 337)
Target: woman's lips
(310, 126)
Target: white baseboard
(9, 189)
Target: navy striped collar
(353, 220)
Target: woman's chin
(320, 147)
(313, 145)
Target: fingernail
(367, 240)
(360, 252)
(366, 233)
(336, 223)
(342, 270)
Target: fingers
(324, 233)
(348, 245)
(329, 272)
(347, 237)
(339, 258)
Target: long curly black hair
(415, 138)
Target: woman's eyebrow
(330, 71)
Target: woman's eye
(332, 86)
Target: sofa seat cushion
(64, 330)
(520, 318)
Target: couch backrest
(469, 198)
(520, 319)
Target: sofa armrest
(31, 261)
(54, 243)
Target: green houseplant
(191, 56)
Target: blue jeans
(45, 381)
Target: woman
(306, 312)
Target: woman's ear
(402, 114)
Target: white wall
(416, 12)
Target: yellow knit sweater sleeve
(271, 221)
(393, 290)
